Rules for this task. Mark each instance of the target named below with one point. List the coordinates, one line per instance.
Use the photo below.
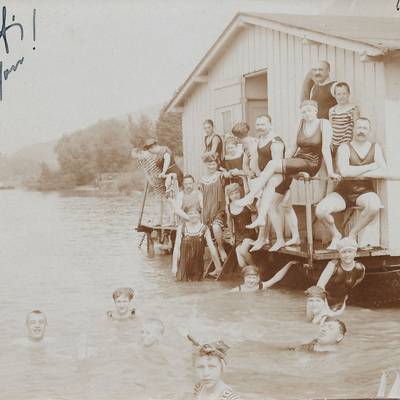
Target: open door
(255, 93)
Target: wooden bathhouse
(258, 64)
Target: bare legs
(370, 204)
(242, 252)
(273, 167)
(333, 202)
(217, 230)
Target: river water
(65, 253)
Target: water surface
(65, 253)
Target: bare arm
(356, 114)
(279, 275)
(326, 275)
(167, 161)
(326, 147)
(347, 170)
(213, 250)
(277, 150)
(177, 250)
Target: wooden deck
(320, 252)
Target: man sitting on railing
(358, 158)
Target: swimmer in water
(209, 362)
(152, 331)
(317, 305)
(331, 333)
(253, 283)
(122, 299)
(36, 323)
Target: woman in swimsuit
(340, 276)
(313, 145)
(238, 218)
(209, 365)
(253, 283)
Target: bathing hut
(258, 65)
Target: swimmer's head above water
(152, 331)
(209, 361)
(332, 331)
(316, 299)
(36, 323)
(122, 299)
(251, 277)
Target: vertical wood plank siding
(287, 61)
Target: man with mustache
(319, 86)
(358, 158)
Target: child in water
(152, 331)
(209, 364)
(191, 239)
(252, 281)
(317, 305)
(122, 300)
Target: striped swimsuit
(227, 394)
(342, 126)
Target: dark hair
(342, 84)
(264, 116)
(209, 121)
(364, 119)
(240, 130)
(342, 326)
(188, 176)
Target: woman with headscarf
(209, 361)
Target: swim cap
(316, 291)
(312, 103)
(125, 291)
(346, 243)
(217, 348)
(250, 270)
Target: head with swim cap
(309, 110)
(316, 298)
(122, 298)
(251, 276)
(347, 248)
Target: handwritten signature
(5, 27)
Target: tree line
(104, 148)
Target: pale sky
(99, 59)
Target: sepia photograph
(198, 199)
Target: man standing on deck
(318, 86)
(360, 158)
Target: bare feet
(295, 241)
(258, 244)
(277, 245)
(246, 200)
(258, 222)
(333, 245)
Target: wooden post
(146, 189)
(309, 224)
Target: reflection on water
(66, 253)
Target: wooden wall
(287, 61)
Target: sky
(100, 59)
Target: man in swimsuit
(331, 333)
(322, 90)
(363, 158)
(212, 141)
(189, 197)
(36, 323)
